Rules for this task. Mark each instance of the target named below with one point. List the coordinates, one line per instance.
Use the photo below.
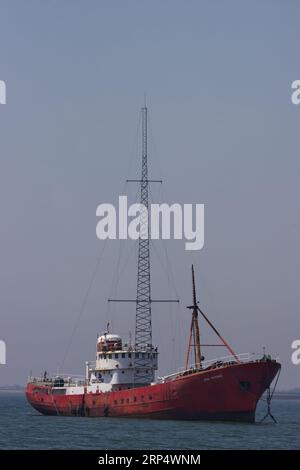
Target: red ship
(121, 382)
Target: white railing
(75, 379)
(91, 364)
(70, 376)
(69, 379)
(213, 363)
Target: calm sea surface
(21, 427)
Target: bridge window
(116, 356)
(123, 355)
(137, 355)
(129, 355)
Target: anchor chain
(269, 399)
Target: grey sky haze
(223, 132)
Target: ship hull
(227, 393)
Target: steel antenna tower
(143, 326)
(145, 357)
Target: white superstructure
(115, 367)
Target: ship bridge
(116, 363)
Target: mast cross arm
(144, 181)
(146, 300)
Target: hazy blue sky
(223, 132)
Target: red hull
(227, 393)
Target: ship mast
(194, 330)
(195, 333)
(197, 347)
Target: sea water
(21, 427)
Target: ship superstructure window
(116, 356)
(134, 398)
(137, 355)
(123, 355)
(129, 355)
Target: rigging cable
(99, 259)
(83, 304)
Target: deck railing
(215, 363)
(69, 379)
